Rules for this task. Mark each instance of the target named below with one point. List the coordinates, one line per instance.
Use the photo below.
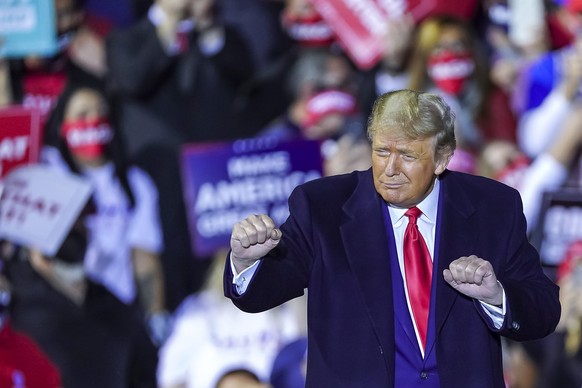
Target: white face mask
(450, 70)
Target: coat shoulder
(341, 185)
(476, 185)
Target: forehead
(394, 137)
(84, 99)
(451, 34)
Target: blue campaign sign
(226, 182)
(27, 27)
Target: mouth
(392, 185)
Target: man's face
(404, 170)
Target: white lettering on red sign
(14, 148)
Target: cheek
(378, 164)
(417, 174)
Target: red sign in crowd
(360, 25)
(20, 137)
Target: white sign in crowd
(39, 205)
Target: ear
(442, 163)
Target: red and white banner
(20, 137)
(360, 25)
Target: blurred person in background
(211, 338)
(563, 366)
(260, 98)
(550, 88)
(514, 41)
(174, 64)
(323, 87)
(552, 170)
(36, 81)
(175, 74)
(299, 27)
(240, 378)
(511, 36)
(261, 24)
(290, 365)
(549, 171)
(124, 232)
(392, 71)
(92, 338)
(305, 25)
(22, 362)
(448, 59)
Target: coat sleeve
(533, 306)
(284, 273)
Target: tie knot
(413, 213)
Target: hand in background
(397, 41)
(349, 154)
(88, 51)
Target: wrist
(240, 264)
(498, 300)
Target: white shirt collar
(428, 206)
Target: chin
(397, 201)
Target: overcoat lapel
(364, 237)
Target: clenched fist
(474, 277)
(251, 239)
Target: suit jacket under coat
(335, 244)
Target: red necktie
(418, 268)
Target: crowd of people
(126, 301)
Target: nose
(392, 166)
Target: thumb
(276, 235)
(274, 239)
